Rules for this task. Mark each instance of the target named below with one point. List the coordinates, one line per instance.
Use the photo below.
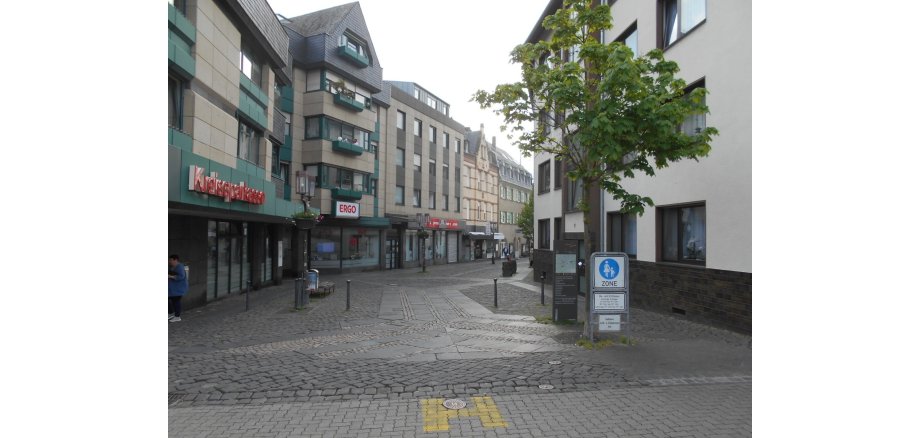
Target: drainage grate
(454, 404)
(547, 386)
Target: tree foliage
(608, 113)
(525, 220)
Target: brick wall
(710, 296)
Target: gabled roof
(320, 22)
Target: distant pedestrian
(178, 287)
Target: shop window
(362, 247)
(326, 250)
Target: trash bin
(508, 268)
(312, 280)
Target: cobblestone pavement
(411, 336)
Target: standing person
(178, 286)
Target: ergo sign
(347, 209)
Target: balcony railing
(347, 147)
(354, 57)
(353, 195)
(349, 102)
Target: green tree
(525, 221)
(607, 113)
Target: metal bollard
(496, 291)
(248, 291)
(542, 287)
(298, 294)
(347, 294)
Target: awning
(477, 235)
(499, 236)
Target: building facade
(480, 195)
(515, 185)
(336, 131)
(690, 254)
(422, 165)
(227, 214)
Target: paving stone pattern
(325, 371)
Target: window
(680, 17)
(432, 168)
(694, 123)
(417, 94)
(175, 102)
(444, 202)
(431, 102)
(313, 124)
(432, 134)
(543, 234)
(400, 195)
(417, 162)
(247, 144)
(457, 203)
(339, 178)
(621, 233)
(501, 217)
(503, 192)
(575, 193)
(557, 173)
(417, 128)
(416, 198)
(446, 140)
(466, 207)
(400, 120)
(630, 38)
(250, 66)
(683, 234)
(446, 171)
(276, 161)
(466, 146)
(355, 44)
(543, 173)
(431, 201)
(400, 157)
(557, 228)
(287, 123)
(456, 145)
(457, 174)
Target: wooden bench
(324, 288)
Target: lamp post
(422, 220)
(305, 185)
(492, 227)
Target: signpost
(609, 281)
(565, 287)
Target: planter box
(304, 224)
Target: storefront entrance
(392, 253)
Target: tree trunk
(589, 249)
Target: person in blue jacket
(178, 287)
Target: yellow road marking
(436, 416)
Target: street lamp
(305, 186)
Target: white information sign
(609, 272)
(610, 301)
(608, 323)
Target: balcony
(347, 147)
(348, 102)
(353, 195)
(354, 57)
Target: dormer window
(354, 49)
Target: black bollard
(542, 287)
(496, 291)
(248, 291)
(347, 294)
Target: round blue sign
(609, 269)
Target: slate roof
(320, 22)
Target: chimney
(482, 126)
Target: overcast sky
(451, 48)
